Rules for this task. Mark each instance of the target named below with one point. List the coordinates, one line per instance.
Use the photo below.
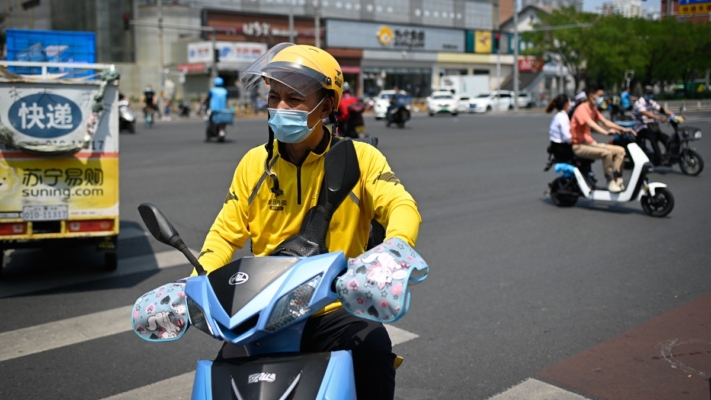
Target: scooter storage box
(223, 117)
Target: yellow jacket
(252, 211)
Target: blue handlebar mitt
(161, 314)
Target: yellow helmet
(303, 68)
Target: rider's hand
(630, 130)
(663, 120)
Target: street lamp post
(515, 63)
(161, 61)
(317, 25)
(291, 21)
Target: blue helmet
(218, 81)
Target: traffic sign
(690, 7)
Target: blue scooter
(261, 304)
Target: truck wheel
(110, 260)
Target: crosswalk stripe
(132, 265)
(52, 335)
(176, 388)
(180, 387)
(533, 389)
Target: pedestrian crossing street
(79, 330)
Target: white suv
(491, 101)
(442, 102)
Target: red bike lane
(666, 358)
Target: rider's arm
(611, 125)
(230, 230)
(394, 207)
(652, 115)
(596, 127)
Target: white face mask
(291, 126)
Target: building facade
(379, 43)
(624, 8)
(114, 43)
(670, 8)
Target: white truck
(464, 88)
(464, 85)
(59, 156)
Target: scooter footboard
(298, 377)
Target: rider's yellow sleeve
(394, 207)
(230, 230)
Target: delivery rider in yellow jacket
(276, 184)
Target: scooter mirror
(157, 223)
(342, 172)
(161, 315)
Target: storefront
(259, 28)
(241, 39)
(393, 55)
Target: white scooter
(127, 119)
(656, 199)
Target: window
(481, 72)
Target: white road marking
(132, 265)
(181, 386)
(176, 388)
(38, 338)
(532, 389)
(399, 336)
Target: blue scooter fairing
(262, 305)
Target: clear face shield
(296, 70)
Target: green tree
(567, 46)
(612, 49)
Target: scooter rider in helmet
(646, 123)
(217, 100)
(277, 183)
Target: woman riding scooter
(559, 131)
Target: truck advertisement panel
(43, 187)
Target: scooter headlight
(197, 317)
(292, 305)
(697, 135)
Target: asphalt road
(517, 285)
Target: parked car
(442, 102)
(463, 104)
(382, 102)
(525, 100)
(491, 101)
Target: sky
(589, 5)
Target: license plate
(45, 213)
